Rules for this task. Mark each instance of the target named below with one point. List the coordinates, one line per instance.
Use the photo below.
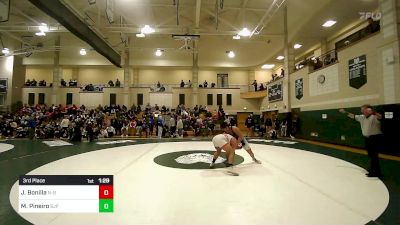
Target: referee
(371, 130)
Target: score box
(66, 194)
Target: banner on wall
(3, 85)
(298, 85)
(275, 92)
(358, 71)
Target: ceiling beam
(229, 24)
(198, 9)
(268, 15)
(60, 12)
(204, 5)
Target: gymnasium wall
(238, 104)
(337, 128)
(100, 75)
(164, 75)
(40, 73)
(263, 76)
(336, 91)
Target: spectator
(179, 126)
(124, 130)
(373, 26)
(250, 125)
(28, 83)
(317, 64)
(261, 87)
(172, 125)
(160, 125)
(42, 83)
(110, 131)
(89, 132)
(255, 85)
(205, 84)
(182, 84)
(268, 125)
(158, 84)
(282, 73)
(33, 83)
(189, 84)
(63, 83)
(110, 83)
(118, 83)
(212, 85)
(295, 124)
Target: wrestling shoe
(256, 161)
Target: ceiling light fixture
(147, 30)
(82, 51)
(329, 23)
(267, 66)
(43, 27)
(297, 46)
(141, 35)
(236, 37)
(245, 32)
(41, 33)
(281, 57)
(159, 52)
(231, 54)
(5, 51)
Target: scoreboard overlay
(66, 194)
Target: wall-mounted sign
(358, 71)
(298, 86)
(275, 92)
(388, 115)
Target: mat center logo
(198, 158)
(195, 159)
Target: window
(209, 99)
(222, 80)
(69, 99)
(31, 99)
(219, 99)
(113, 99)
(41, 98)
(2, 99)
(229, 99)
(181, 99)
(140, 99)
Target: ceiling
(215, 24)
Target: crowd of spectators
(34, 83)
(77, 123)
(183, 84)
(263, 86)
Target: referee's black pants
(373, 143)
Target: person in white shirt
(371, 130)
(179, 126)
(172, 125)
(64, 122)
(110, 131)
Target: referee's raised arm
(351, 115)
